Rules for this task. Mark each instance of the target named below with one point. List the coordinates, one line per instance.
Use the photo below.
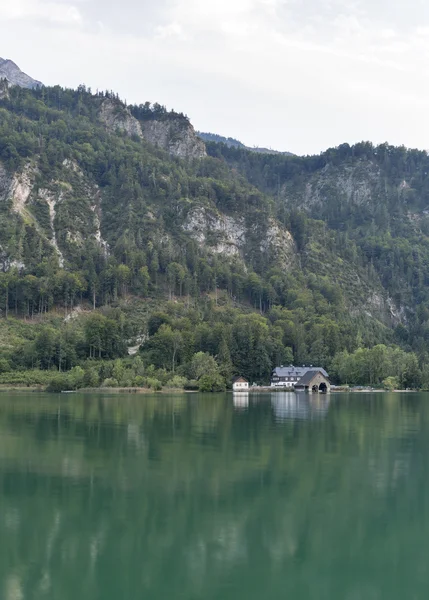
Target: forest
(100, 259)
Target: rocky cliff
(176, 135)
(116, 117)
(172, 132)
(10, 71)
(359, 185)
(59, 216)
(229, 236)
(70, 210)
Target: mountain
(10, 71)
(121, 231)
(170, 131)
(233, 143)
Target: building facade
(314, 381)
(288, 377)
(240, 384)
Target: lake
(214, 497)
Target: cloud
(54, 12)
(171, 30)
(288, 74)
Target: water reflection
(241, 400)
(289, 405)
(273, 495)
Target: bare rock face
(226, 235)
(220, 233)
(10, 71)
(280, 242)
(356, 184)
(176, 135)
(117, 117)
(19, 193)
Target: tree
(45, 347)
(143, 280)
(211, 383)
(224, 360)
(94, 334)
(76, 378)
(175, 276)
(391, 383)
(91, 377)
(202, 364)
(165, 347)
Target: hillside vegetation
(117, 231)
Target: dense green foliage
(106, 220)
(374, 201)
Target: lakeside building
(291, 377)
(240, 384)
(313, 381)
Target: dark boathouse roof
(309, 376)
(296, 371)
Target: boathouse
(313, 381)
(240, 384)
(288, 377)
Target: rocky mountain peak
(176, 135)
(13, 74)
(117, 117)
(170, 131)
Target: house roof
(292, 371)
(308, 377)
(239, 378)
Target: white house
(240, 384)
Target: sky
(296, 75)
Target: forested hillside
(117, 231)
(233, 143)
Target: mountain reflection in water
(214, 496)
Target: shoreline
(166, 391)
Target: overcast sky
(298, 75)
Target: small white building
(240, 384)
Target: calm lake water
(214, 497)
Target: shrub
(110, 382)
(91, 378)
(212, 383)
(192, 386)
(28, 378)
(59, 383)
(139, 381)
(76, 378)
(154, 384)
(4, 365)
(391, 383)
(177, 382)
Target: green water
(200, 497)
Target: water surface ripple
(214, 497)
